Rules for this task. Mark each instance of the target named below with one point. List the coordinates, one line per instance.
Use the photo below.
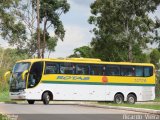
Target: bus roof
(83, 60)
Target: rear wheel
(30, 101)
(131, 99)
(46, 98)
(118, 99)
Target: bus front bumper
(17, 96)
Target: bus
(79, 79)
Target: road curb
(123, 108)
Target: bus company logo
(72, 78)
(104, 79)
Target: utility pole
(38, 30)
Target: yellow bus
(81, 79)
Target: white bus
(81, 79)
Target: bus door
(35, 74)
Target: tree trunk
(32, 26)
(49, 54)
(44, 37)
(38, 30)
(130, 58)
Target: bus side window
(97, 70)
(112, 70)
(67, 68)
(139, 71)
(148, 71)
(82, 69)
(127, 70)
(51, 68)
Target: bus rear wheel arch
(46, 97)
(119, 98)
(131, 98)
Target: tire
(30, 101)
(46, 98)
(131, 99)
(118, 99)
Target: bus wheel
(30, 101)
(131, 99)
(118, 99)
(46, 98)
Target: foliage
(4, 117)
(50, 12)
(8, 57)
(18, 23)
(122, 27)
(51, 43)
(155, 57)
(84, 51)
(10, 29)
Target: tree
(121, 27)
(51, 43)
(155, 57)
(8, 57)
(38, 28)
(49, 19)
(10, 29)
(50, 12)
(84, 51)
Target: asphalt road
(62, 112)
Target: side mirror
(24, 74)
(6, 74)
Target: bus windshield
(16, 82)
(21, 67)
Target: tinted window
(82, 69)
(21, 67)
(139, 71)
(51, 68)
(148, 71)
(113, 70)
(67, 68)
(97, 70)
(127, 71)
(35, 74)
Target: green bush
(4, 86)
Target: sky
(77, 28)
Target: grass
(4, 117)
(157, 99)
(4, 96)
(147, 106)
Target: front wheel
(30, 101)
(46, 98)
(118, 99)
